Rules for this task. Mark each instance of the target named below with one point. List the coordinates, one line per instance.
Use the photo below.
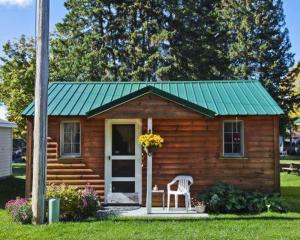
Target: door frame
(107, 154)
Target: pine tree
(259, 46)
(100, 40)
(139, 40)
(199, 45)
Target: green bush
(226, 198)
(70, 200)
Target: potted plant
(198, 205)
(150, 142)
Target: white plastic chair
(184, 183)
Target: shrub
(20, 210)
(89, 202)
(226, 198)
(69, 200)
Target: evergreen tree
(109, 40)
(139, 40)
(198, 48)
(259, 46)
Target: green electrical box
(53, 215)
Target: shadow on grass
(11, 188)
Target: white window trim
(62, 140)
(232, 155)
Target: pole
(149, 173)
(40, 116)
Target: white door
(123, 170)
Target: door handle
(109, 157)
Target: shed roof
(230, 97)
(7, 124)
(297, 121)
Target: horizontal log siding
(193, 146)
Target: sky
(17, 17)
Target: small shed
(6, 147)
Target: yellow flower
(151, 140)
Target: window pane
(76, 148)
(236, 148)
(124, 187)
(228, 127)
(228, 148)
(237, 127)
(232, 137)
(123, 168)
(123, 139)
(228, 137)
(71, 138)
(67, 148)
(236, 137)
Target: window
(233, 138)
(70, 139)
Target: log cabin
(215, 131)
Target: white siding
(5, 151)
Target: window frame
(234, 155)
(71, 155)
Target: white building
(6, 147)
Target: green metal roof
(230, 97)
(297, 121)
(153, 90)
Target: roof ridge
(161, 82)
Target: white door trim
(108, 154)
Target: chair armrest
(170, 184)
(169, 187)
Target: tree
(198, 48)
(259, 46)
(139, 41)
(115, 40)
(17, 74)
(294, 76)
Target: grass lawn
(260, 226)
(288, 159)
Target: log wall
(193, 146)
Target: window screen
(71, 138)
(233, 138)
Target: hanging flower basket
(149, 150)
(150, 142)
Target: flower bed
(20, 210)
(74, 204)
